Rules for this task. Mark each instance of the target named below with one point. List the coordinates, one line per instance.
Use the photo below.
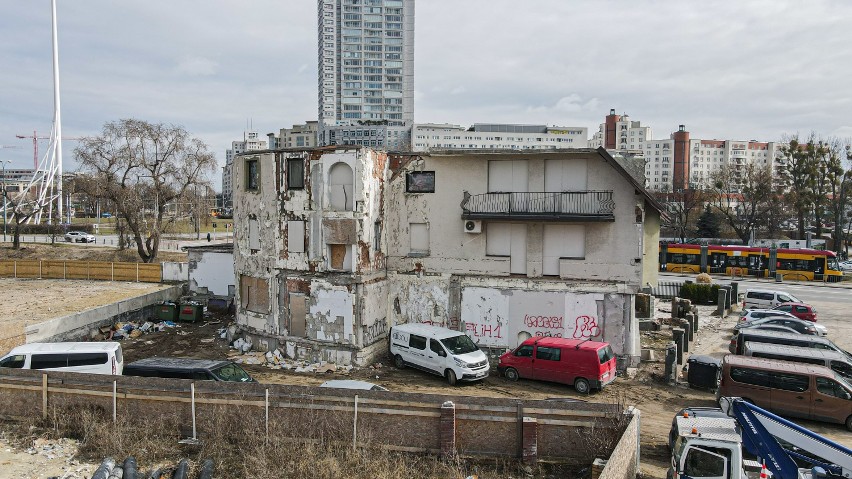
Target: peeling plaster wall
(330, 313)
(420, 299)
(211, 272)
(373, 313)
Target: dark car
(798, 325)
(181, 368)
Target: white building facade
(366, 71)
(429, 137)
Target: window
(436, 348)
(16, 361)
(252, 175)
(524, 351)
(295, 174)
(550, 354)
(49, 361)
(419, 238)
(754, 377)
(341, 181)
(87, 359)
(420, 182)
(829, 388)
(416, 342)
(706, 462)
(254, 294)
(841, 368)
(789, 382)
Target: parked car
(79, 237)
(799, 340)
(183, 368)
(583, 363)
(106, 215)
(751, 315)
(352, 384)
(764, 298)
(91, 357)
(836, 361)
(770, 327)
(799, 310)
(798, 325)
(440, 351)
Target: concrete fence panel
(667, 289)
(175, 271)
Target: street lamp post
(5, 218)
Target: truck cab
(709, 447)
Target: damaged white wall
(211, 272)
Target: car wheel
(398, 362)
(451, 377)
(582, 386)
(511, 374)
(849, 423)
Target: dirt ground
(69, 252)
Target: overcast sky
(748, 69)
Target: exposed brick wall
(623, 463)
(470, 426)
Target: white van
(93, 358)
(767, 299)
(441, 351)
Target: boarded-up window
(254, 294)
(565, 175)
(296, 236)
(254, 235)
(562, 241)
(339, 257)
(419, 234)
(508, 239)
(297, 314)
(341, 187)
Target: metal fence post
(44, 396)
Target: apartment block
(430, 137)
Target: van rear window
(416, 342)
(605, 354)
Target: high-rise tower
(366, 72)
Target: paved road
(833, 302)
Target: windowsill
(418, 254)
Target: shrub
(704, 278)
(700, 293)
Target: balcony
(575, 206)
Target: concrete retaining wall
(175, 272)
(77, 326)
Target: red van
(582, 363)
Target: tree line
(808, 189)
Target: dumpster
(167, 311)
(703, 371)
(191, 311)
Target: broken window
(339, 257)
(252, 175)
(341, 187)
(296, 236)
(420, 182)
(254, 294)
(419, 238)
(295, 173)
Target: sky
(747, 69)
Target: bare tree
(23, 207)
(681, 206)
(797, 177)
(743, 197)
(141, 167)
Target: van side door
(436, 355)
(548, 364)
(832, 402)
(522, 361)
(417, 351)
(790, 393)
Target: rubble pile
(277, 359)
(130, 330)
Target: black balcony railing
(540, 206)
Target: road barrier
(89, 270)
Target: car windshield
(842, 380)
(460, 344)
(232, 372)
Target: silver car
(749, 316)
(79, 237)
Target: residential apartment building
(618, 133)
(430, 137)
(251, 142)
(335, 246)
(365, 72)
(299, 136)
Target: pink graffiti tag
(483, 330)
(586, 327)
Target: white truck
(715, 448)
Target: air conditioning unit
(472, 226)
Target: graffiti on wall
(375, 331)
(479, 331)
(586, 327)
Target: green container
(190, 312)
(167, 312)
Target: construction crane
(35, 139)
